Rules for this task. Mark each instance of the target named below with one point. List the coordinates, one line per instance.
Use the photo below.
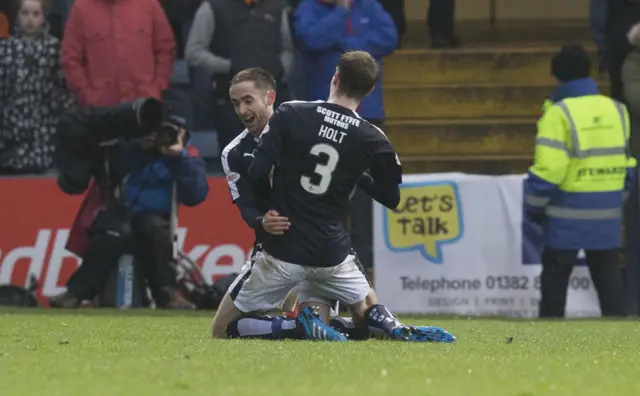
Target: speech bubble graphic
(429, 216)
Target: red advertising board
(36, 216)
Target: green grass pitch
(93, 352)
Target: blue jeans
(598, 21)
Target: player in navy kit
(253, 93)
(315, 154)
(250, 92)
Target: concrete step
(506, 32)
(472, 65)
(459, 137)
(481, 164)
(464, 100)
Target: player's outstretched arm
(375, 191)
(386, 177)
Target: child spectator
(32, 92)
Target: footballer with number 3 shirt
(315, 154)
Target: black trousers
(606, 274)
(99, 260)
(617, 52)
(395, 8)
(152, 250)
(440, 19)
(621, 16)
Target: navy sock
(346, 326)
(264, 327)
(379, 317)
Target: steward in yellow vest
(577, 185)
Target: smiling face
(254, 106)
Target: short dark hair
(571, 63)
(260, 77)
(358, 74)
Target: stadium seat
(178, 100)
(207, 144)
(180, 75)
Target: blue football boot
(314, 329)
(429, 334)
(423, 334)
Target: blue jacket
(561, 232)
(325, 31)
(148, 187)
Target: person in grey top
(232, 35)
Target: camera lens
(148, 113)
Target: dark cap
(571, 63)
(176, 120)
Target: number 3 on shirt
(325, 171)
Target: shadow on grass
(5, 310)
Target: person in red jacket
(117, 50)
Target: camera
(128, 120)
(85, 133)
(169, 131)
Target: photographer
(134, 160)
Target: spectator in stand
(395, 8)
(621, 16)
(631, 85)
(180, 13)
(598, 21)
(32, 93)
(117, 50)
(441, 22)
(324, 30)
(296, 81)
(327, 28)
(58, 16)
(228, 36)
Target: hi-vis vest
(582, 161)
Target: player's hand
(176, 149)
(275, 224)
